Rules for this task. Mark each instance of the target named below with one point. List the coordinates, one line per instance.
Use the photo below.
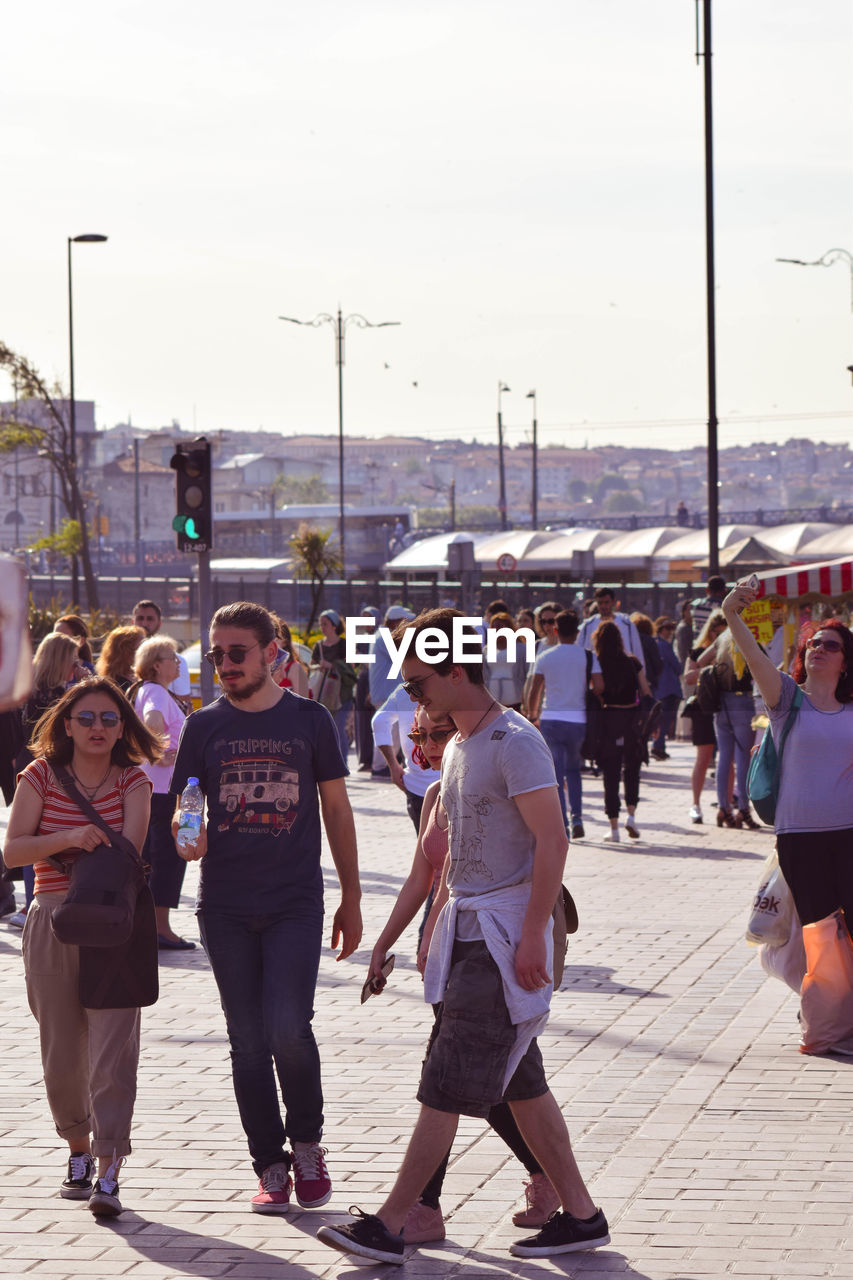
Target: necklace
(480, 721)
(91, 792)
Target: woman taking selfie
(814, 809)
(89, 1056)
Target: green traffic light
(190, 530)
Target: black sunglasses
(109, 719)
(236, 654)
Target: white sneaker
(631, 827)
(695, 814)
(612, 836)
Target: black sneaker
(78, 1184)
(578, 831)
(367, 1237)
(104, 1201)
(563, 1233)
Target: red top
(59, 812)
(434, 842)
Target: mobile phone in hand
(372, 986)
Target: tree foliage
(299, 489)
(38, 422)
(316, 560)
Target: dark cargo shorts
(470, 1044)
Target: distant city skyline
(520, 187)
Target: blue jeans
(266, 970)
(735, 736)
(565, 740)
(340, 719)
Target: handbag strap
(789, 720)
(117, 838)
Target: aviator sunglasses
(419, 736)
(109, 719)
(831, 646)
(236, 654)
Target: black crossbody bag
(108, 913)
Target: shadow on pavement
(182, 1252)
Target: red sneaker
(313, 1184)
(274, 1190)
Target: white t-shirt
(564, 669)
(153, 697)
(181, 683)
(627, 629)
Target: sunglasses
(236, 654)
(414, 688)
(831, 646)
(548, 622)
(109, 719)
(419, 736)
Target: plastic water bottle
(192, 809)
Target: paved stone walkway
(715, 1148)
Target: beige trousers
(89, 1056)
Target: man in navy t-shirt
(270, 766)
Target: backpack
(708, 691)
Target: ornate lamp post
(340, 323)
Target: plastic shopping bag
(772, 907)
(826, 1000)
(788, 961)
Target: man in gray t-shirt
(490, 956)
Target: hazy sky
(519, 184)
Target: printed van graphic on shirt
(259, 793)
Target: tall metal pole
(339, 359)
(534, 480)
(72, 431)
(137, 511)
(205, 613)
(711, 319)
(502, 387)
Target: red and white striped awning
(831, 578)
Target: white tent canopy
(694, 545)
(430, 554)
(791, 538)
(830, 545)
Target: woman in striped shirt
(89, 1056)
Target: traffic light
(193, 521)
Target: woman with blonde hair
(115, 661)
(55, 666)
(702, 732)
(161, 712)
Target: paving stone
(715, 1147)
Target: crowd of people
(493, 759)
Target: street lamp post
(78, 514)
(534, 492)
(502, 387)
(704, 53)
(340, 324)
(831, 256)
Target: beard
(251, 687)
